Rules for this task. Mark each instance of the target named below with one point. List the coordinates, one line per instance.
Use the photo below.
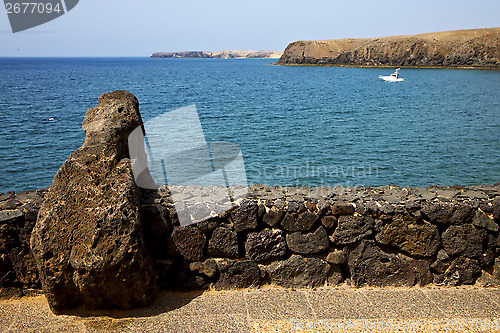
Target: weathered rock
(351, 229)
(302, 222)
(273, 217)
(447, 213)
(387, 209)
(265, 245)
(207, 267)
(462, 271)
(403, 232)
(308, 243)
(495, 204)
(484, 221)
(6, 216)
(442, 255)
(189, 242)
(371, 266)
(465, 240)
(298, 272)
(223, 243)
(245, 216)
(87, 241)
(334, 276)
(154, 220)
(237, 274)
(10, 204)
(423, 273)
(338, 257)
(342, 208)
(439, 266)
(329, 222)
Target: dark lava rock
(223, 243)
(329, 222)
(273, 217)
(484, 221)
(342, 208)
(245, 216)
(266, 244)
(10, 204)
(302, 222)
(335, 275)
(87, 241)
(465, 240)
(495, 204)
(189, 242)
(6, 216)
(308, 243)
(371, 266)
(447, 213)
(338, 257)
(154, 220)
(403, 232)
(439, 266)
(422, 272)
(237, 274)
(207, 267)
(298, 272)
(462, 271)
(351, 229)
(296, 208)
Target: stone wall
(301, 237)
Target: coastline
(386, 66)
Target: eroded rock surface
(87, 241)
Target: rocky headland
(222, 54)
(97, 240)
(475, 48)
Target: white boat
(394, 77)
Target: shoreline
(387, 66)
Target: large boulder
(405, 233)
(298, 272)
(370, 265)
(265, 245)
(238, 274)
(308, 243)
(465, 240)
(88, 241)
(224, 243)
(352, 228)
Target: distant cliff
(458, 48)
(222, 54)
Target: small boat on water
(394, 77)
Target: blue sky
(139, 28)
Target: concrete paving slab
(277, 304)
(462, 302)
(434, 309)
(341, 303)
(401, 303)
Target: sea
(295, 125)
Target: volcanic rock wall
(302, 237)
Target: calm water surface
(295, 125)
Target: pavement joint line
(247, 307)
(435, 304)
(306, 292)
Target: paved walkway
(341, 309)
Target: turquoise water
(295, 125)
